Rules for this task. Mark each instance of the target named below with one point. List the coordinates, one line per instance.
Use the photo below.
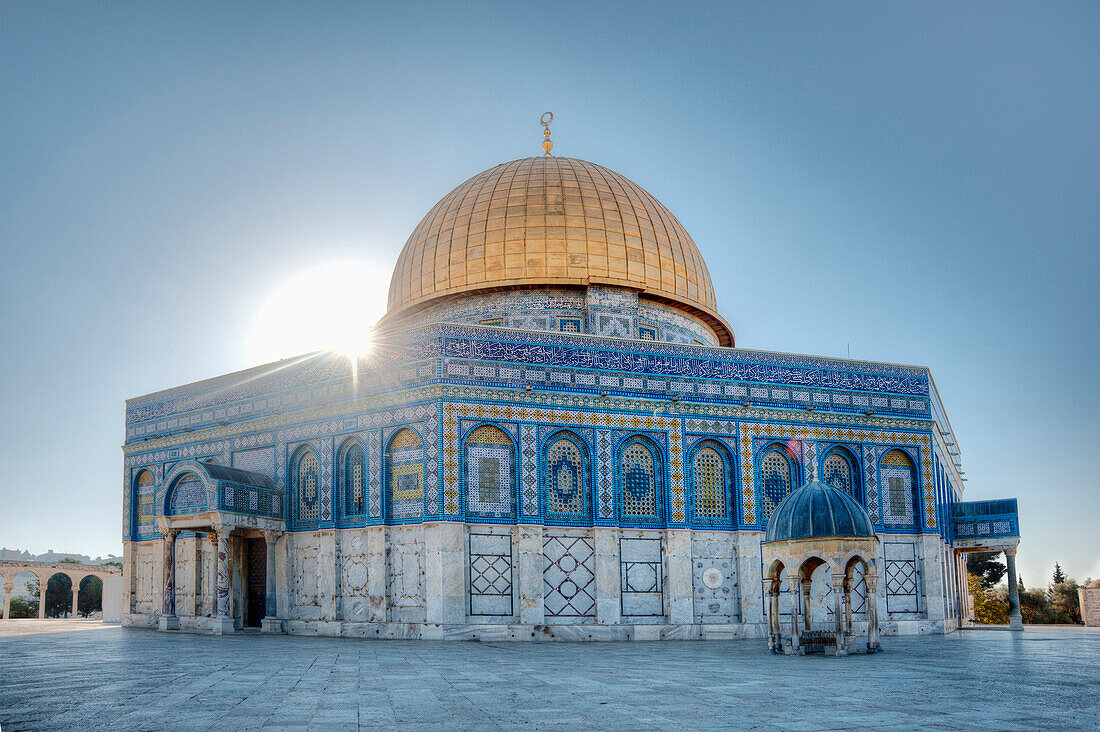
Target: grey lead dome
(817, 510)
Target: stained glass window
(565, 484)
(355, 479)
(709, 478)
(775, 469)
(639, 477)
(406, 472)
(490, 471)
(308, 489)
(838, 473)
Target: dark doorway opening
(255, 581)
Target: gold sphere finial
(547, 143)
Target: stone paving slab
(127, 679)
(34, 626)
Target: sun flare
(330, 306)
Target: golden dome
(551, 221)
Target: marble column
(8, 587)
(168, 619)
(42, 598)
(270, 622)
(76, 597)
(795, 583)
(872, 612)
(807, 596)
(1015, 619)
(766, 593)
(222, 622)
(848, 603)
(838, 614)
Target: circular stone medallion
(712, 578)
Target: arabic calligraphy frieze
(816, 375)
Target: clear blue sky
(921, 182)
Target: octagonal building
(555, 438)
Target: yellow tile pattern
(549, 220)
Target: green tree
(23, 607)
(987, 566)
(1065, 604)
(1035, 606)
(1059, 576)
(989, 606)
(91, 596)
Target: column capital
(9, 586)
(271, 536)
(1010, 551)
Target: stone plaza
(115, 678)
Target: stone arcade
(554, 437)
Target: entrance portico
(989, 526)
(240, 513)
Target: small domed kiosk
(820, 530)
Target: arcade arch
(72, 575)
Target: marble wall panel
(405, 574)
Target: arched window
(837, 472)
(566, 484)
(897, 484)
(708, 473)
(490, 473)
(354, 479)
(145, 493)
(776, 476)
(405, 465)
(307, 488)
(638, 467)
(188, 496)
